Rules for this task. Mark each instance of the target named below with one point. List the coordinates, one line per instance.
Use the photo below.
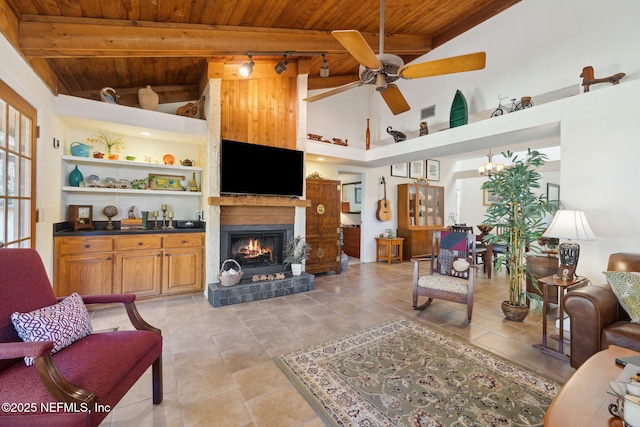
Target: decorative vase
(344, 261)
(296, 269)
(148, 99)
(75, 177)
(367, 136)
(516, 313)
(193, 186)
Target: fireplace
(258, 248)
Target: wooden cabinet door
(86, 274)
(139, 272)
(182, 270)
(323, 226)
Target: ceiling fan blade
(455, 64)
(353, 41)
(332, 92)
(394, 99)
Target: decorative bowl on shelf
(169, 159)
(130, 158)
(92, 180)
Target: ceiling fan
(383, 69)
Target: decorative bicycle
(525, 102)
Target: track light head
(247, 68)
(324, 70)
(282, 65)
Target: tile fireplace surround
(245, 212)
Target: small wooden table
(563, 286)
(583, 400)
(389, 248)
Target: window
(17, 170)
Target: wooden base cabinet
(351, 241)
(323, 225)
(145, 265)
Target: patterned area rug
(403, 373)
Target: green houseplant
(520, 213)
(296, 251)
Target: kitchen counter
(61, 229)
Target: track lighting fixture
(247, 68)
(324, 70)
(282, 65)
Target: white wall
(534, 48)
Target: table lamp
(568, 224)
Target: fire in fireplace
(257, 248)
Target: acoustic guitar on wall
(384, 206)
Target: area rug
(403, 373)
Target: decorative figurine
(424, 130)
(397, 135)
(588, 78)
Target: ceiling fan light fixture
(281, 66)
(381, 82)
(324, 69)
(247, 68)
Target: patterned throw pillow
(63, 323)
(626, 286)
(445, 258)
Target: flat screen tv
(258, 169)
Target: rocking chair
(450, 275)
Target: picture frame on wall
(399, 170)
(488, 198)
(416, 169)
(553, 192)
(433, 170)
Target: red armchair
(80, 384)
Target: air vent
(427, 112)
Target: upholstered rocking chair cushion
(456, 285)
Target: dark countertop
(61, 229)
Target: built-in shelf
(105, 162)
(101, 190)
(257, 201)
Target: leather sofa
(597, 319)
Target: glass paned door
(17, 170)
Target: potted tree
(520, 213)
(296, 251)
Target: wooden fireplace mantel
(258, 201)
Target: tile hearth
(248, 291)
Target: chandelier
(490, 168)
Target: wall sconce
(489, 168)
(282, 65)
(247, 68)
(324, 70)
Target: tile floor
(218, 368)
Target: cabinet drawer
(74, 245)
(185, 240)
(129, 243)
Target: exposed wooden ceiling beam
(88, 37)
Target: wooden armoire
(323, 225)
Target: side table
(563, 287)
(389, 248)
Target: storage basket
(230, 280)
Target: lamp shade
(568, 224)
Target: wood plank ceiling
(80, 46)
